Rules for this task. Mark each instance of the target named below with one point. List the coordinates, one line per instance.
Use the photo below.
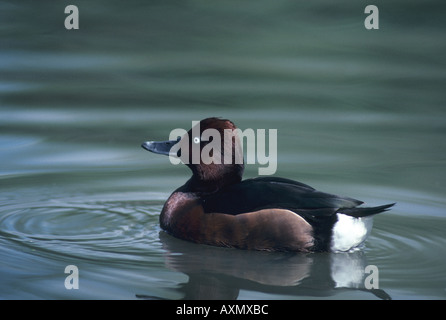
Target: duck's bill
(160, 147)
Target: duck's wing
(271, 192)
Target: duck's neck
(212, 178)
(194, 184)
(208, 186)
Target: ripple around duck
(409, 252)
(98, 229)
(123, 231)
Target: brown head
(211, 149)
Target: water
(359, 113)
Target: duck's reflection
(220, 273)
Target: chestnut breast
(267, 229)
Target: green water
(358, 112)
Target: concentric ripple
(417, 244)
(84, 229)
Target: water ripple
(89, 230)
(409, 252)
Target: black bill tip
(160, 147)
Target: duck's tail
(364, 212)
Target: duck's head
(211, 149)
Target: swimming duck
(216, 207)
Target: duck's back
(271, 192)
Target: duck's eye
(196, 140)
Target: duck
(217, 207)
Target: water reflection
(221, 273)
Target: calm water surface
(359, 113)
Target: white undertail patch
(349, 233)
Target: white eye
(196, 140)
